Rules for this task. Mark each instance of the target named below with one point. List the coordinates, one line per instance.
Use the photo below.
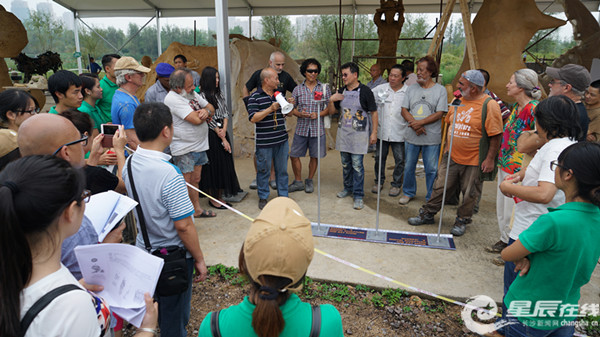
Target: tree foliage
(278, 28)
(43, 31)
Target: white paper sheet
(125, 271)
(105, 210)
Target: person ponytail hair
(34, 191)
(267, 319)
(527, 80)
(583, 159)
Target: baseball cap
(279, 243)
(475, 77)
(128, 62)
(574, 74)
(164, 69)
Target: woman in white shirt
(42, 200)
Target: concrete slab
(458, 274)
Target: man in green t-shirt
(65, 88)
(109, 85)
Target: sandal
(206, 214)
(220, 206)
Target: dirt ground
(365, 311)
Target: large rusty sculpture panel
(502, 29)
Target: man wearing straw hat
(467, 162)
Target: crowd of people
(543, 154)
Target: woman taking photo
(42, 201)
(218, 177)
(275, 257)
(522, 87)
(557, 254)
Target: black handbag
(173, 279)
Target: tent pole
(158, 34)
(77, 46)
(223, 57)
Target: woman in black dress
(218, 177)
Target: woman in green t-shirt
(275, 256)
(557, 254)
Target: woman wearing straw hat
(275, 256)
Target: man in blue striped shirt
(271, 136)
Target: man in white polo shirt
(190, 139)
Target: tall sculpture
(13, 38)
(389, 19)
(502, 29)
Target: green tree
(415, 26)
(278, 28)
(236, 30)
(43, 31)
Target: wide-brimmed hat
(128, 62)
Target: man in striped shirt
(271, 136)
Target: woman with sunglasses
(533, 188)
(15, 107)
(42, 201)
(557, 254)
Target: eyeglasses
(85, 196)
(554, 164)
(345, 75)
(312, 71)
(557, 82)
(32, 111)
(83, 139)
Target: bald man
(376, 78)
(52, 134)
(271, 136)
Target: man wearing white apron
(357, 128)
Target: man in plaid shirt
(311, 99)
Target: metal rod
(77, 46)
(379, 174)
(540, 39)
(136, 34)
(100, 36)
(447, 170)
(158, 41)
(318, 163)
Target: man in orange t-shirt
(464, 168)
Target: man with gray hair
(190, 113)
(475, 145)
(130, 77)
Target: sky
(201, 22)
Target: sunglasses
(312, 71)
(83, 139)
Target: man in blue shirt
(167, 208)
(130, 77)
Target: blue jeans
(354, 173)
(430, 154)
(398, 152)
(174, 311)
(278, 154)
(521, 330)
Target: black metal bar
(543, 37)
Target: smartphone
(109, 131)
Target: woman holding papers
(42, 200)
